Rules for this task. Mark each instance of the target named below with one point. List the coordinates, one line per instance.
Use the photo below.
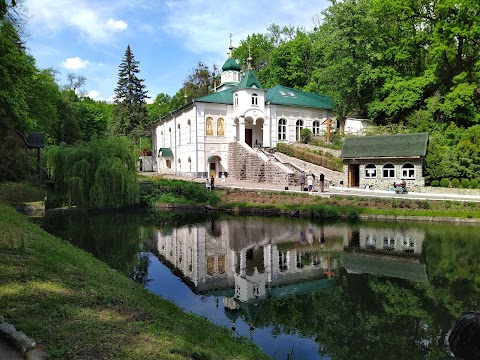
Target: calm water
(299, 289)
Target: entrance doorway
(248, 137)
(213, 169)
(353, 175)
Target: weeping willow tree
(95, 174)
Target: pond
(299, 289)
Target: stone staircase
(260, 165)
(245, 163)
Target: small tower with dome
(230, 71)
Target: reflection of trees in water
(113, 237)
(362, 317)
(452, 255)
(369, 317)
(139, 270)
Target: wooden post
(328, 122)
(329, 272)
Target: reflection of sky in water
(164, 283)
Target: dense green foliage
(99, 173)
(18, 192)
(171, 191)
(130, 116)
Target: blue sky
(167, 37)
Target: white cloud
(95, 95)
(117, 25)
(207, 24)
(91, 20)
(75, 63)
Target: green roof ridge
(249, 80)
(397, 145)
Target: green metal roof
(282, 95)
(278, 95)
(231, 64)
(221, 97)
(249, 80)
(399, 145)
(166, 152)
(389, 267)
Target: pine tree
(130, 116)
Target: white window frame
(235, 98)
(282, 129)
(298, 129)
(316, 127)
(254, 99)
(408, 171)
(369, 174)
(388, 171)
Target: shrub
(435, 183)
(474, 184)
(305, 135)
(465, 183)
(444, 182)
(423, 204)
(455, 183)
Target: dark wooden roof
(36, 140)
(392, 146)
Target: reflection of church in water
(246, 260)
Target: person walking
(301, 178)
(223, 179)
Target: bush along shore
(188, 195)
(76, 307)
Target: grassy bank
(350, 207)
(175, 192)
(76, 307)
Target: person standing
(322, 182)
(310, 182)
(212, 182)
(302, 181)
(223, 179)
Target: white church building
(233, 129)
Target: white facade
(357, 126)
(199, 133)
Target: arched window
(370, 171)
(235, 99)
(298, 130)
(220, 127)
(254, 99)
(189, 140)
(316, 127)
(189, 164)
(209, 127)
(408, 171)
(170, 136)
(282, 129)
(388, 171)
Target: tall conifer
(130, 116)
